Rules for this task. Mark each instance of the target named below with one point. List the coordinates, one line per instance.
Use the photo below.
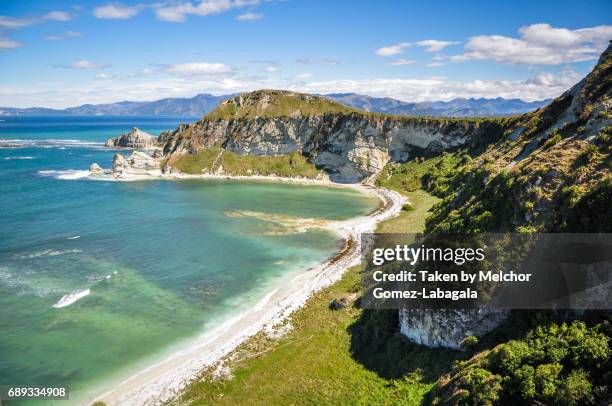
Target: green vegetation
(341, 357)
(276, 103)
(211, 160)
(557, 363)
(553, 138)
(280, 103)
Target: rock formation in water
(138, 163)
(136, 138)
(95, 168)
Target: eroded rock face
(350, 147)
(136, 138)
(138, 163)
(447, 328)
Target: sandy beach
(162, 381)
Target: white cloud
(303, 76)
(392, 49)
(434, 64)
(103, 76)
(178, 13)
(67, 34)
(58, 16)
(249, 17)
(7, 43)
(197, 69)
(145, 72)
(116, 11)
(272, 68)
(565, 78)
(13, 23)
(322, 62)
(402, 61)
(540, 44)
(83, 64)
(543, 86)
(433, 45)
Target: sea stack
(136, 138)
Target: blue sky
(65, 53)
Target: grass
(313, 364)
(412, 220)
(341, 357)
(210, 160)
(281, 104)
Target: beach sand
(164, 380)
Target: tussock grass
(208, 160)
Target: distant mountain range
(454, 108)
(193, 106)
(202, 104)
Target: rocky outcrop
(95, 168)
(447, 328)
(136, 138)
(349, 145)
(138, 163)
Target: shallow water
(96, 276)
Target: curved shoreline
(164, 380)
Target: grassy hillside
(281, 103)
(219, 160)
(276, 103)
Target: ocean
(101, 278)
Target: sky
(71, 52)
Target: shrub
(576, 388)
(553, 139)
(483, 387)
(469, 342)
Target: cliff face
(552, 172)
(349, 145)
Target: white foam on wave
(67, 174)
(50, 143)
(47, 253)
(74, 237)
(13, 158)
(71, 298)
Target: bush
(576, 387)
(469, 343)
(553, 139)
(483, 388)
(408, 207)
(555, 364)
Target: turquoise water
(163, 260)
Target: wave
(23, 282)
(12, 158)
(71, 298)
(47, 253)
(50, 143)
(74, 237)
(68, 174)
